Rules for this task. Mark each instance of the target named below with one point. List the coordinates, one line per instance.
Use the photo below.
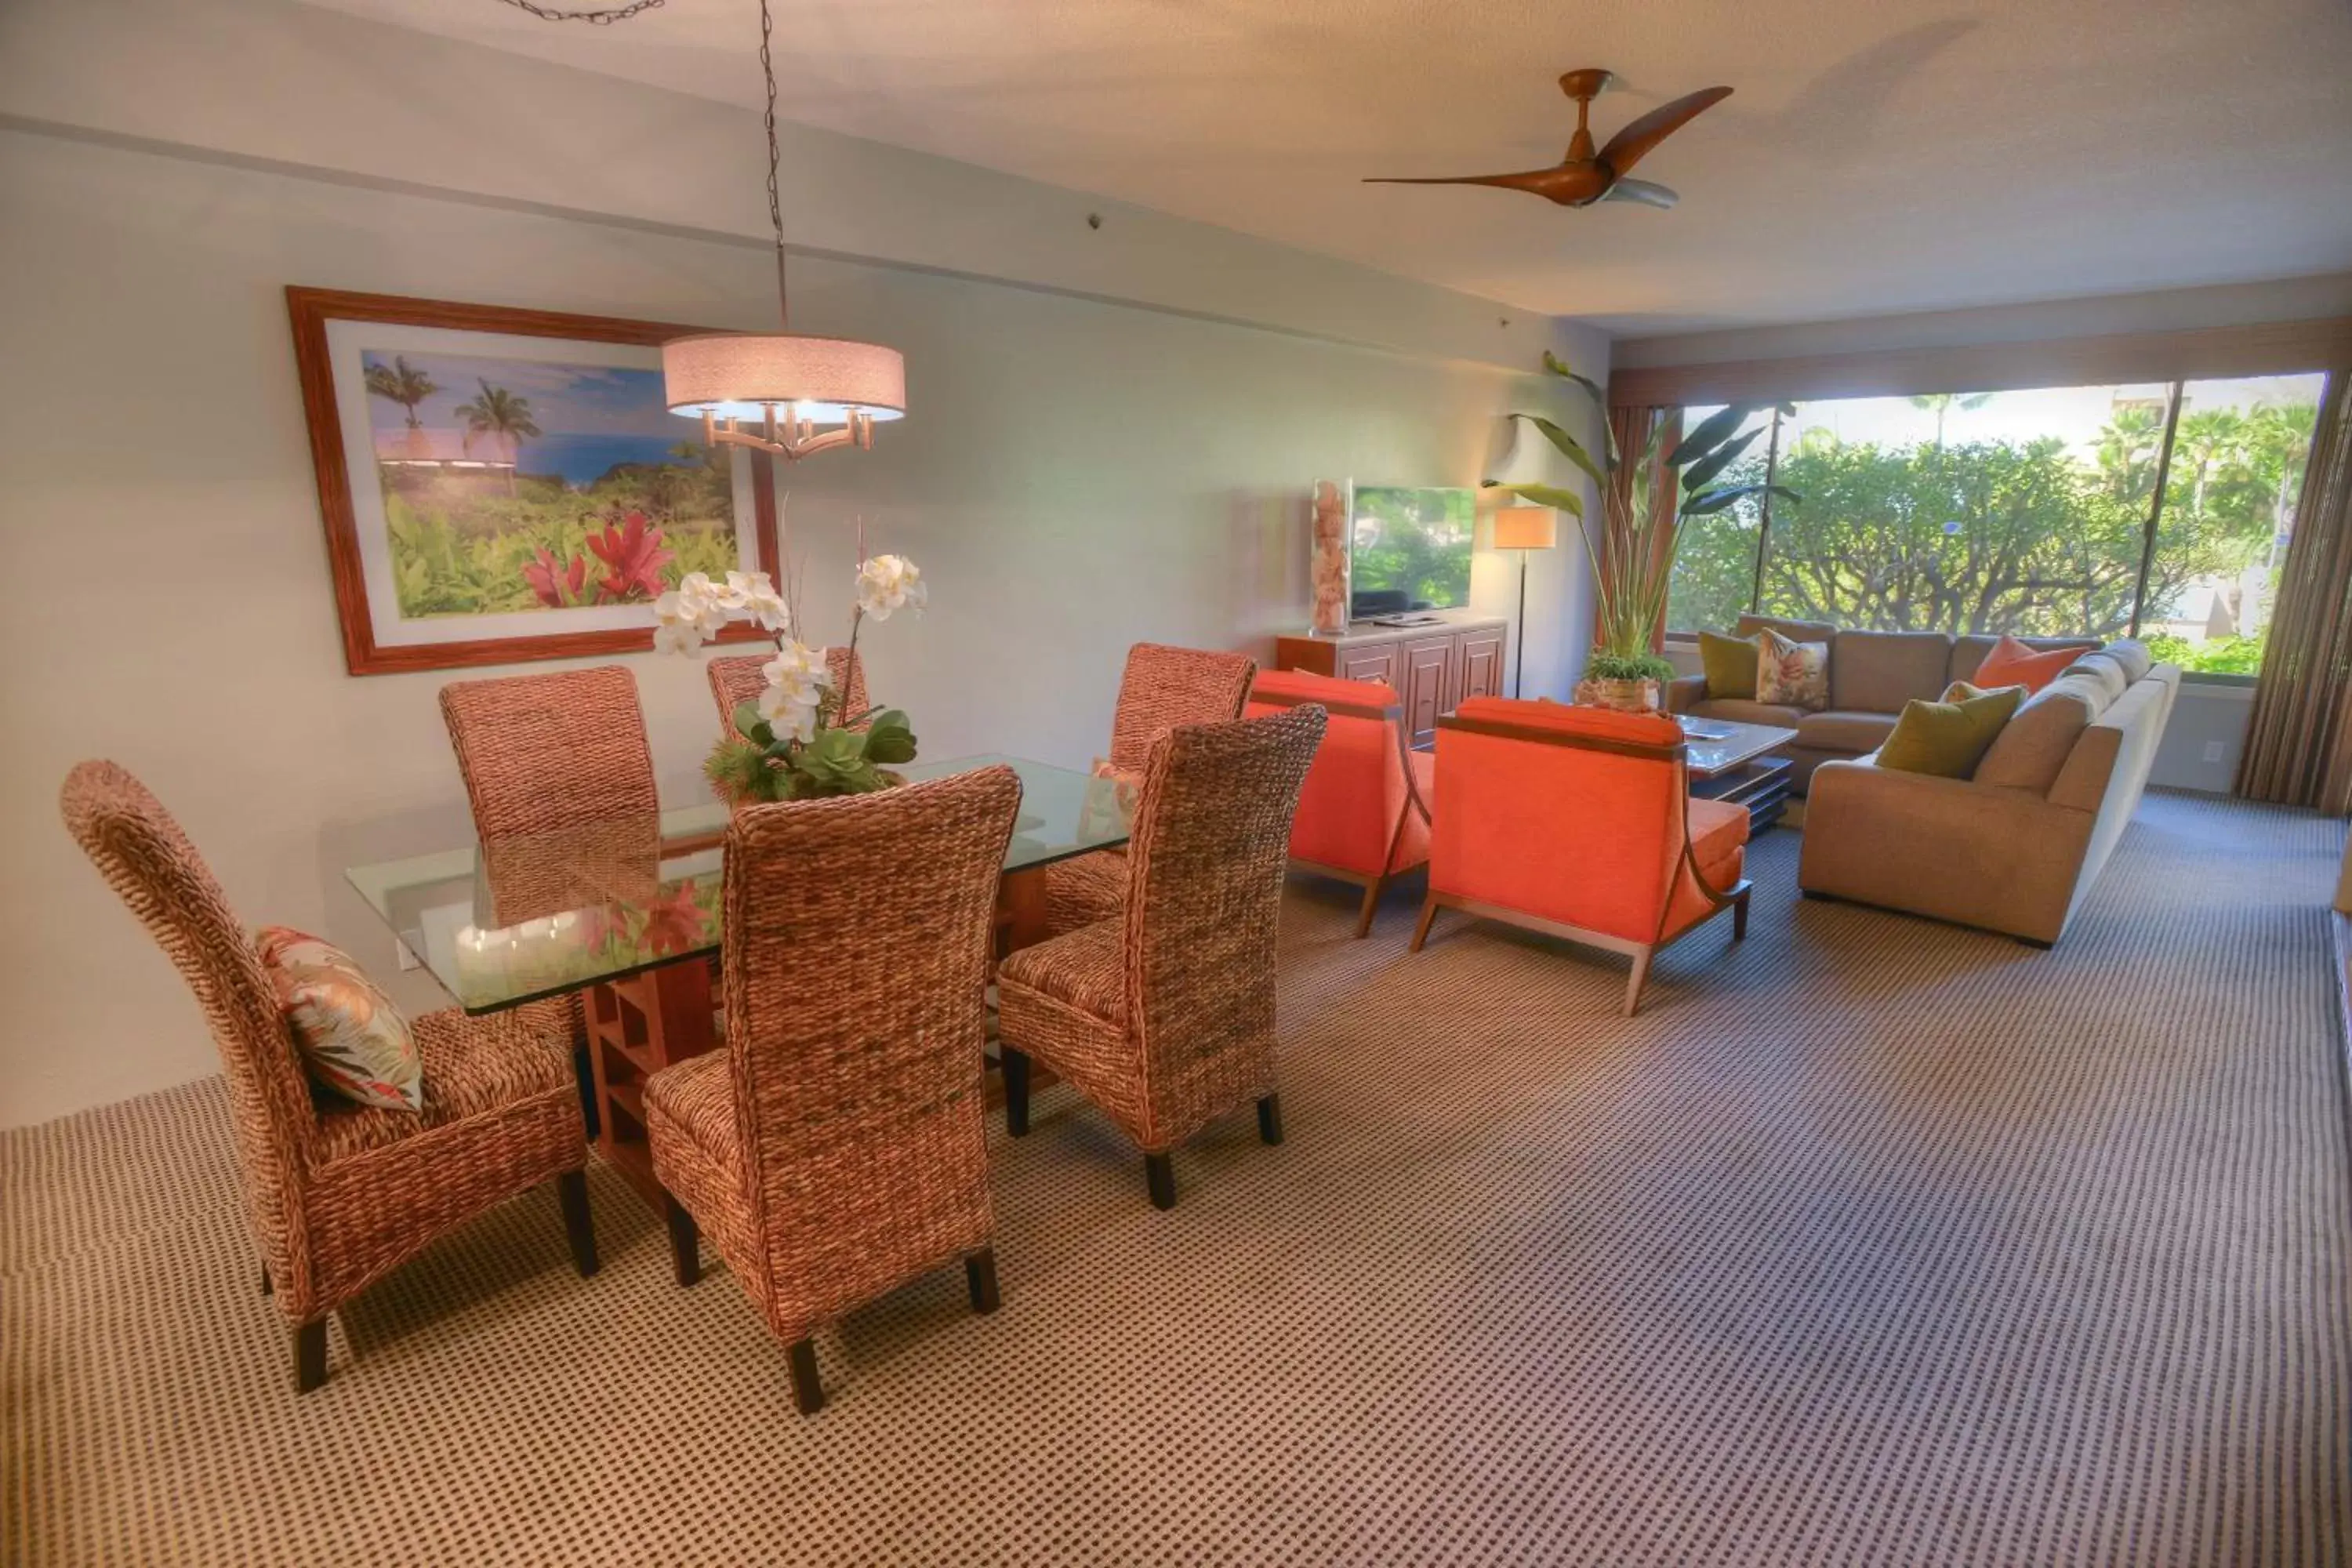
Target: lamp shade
(1526, 528)
(823, 380)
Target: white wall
(1075, 475)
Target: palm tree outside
(499, 413)
(402, 382)
(1941, 404)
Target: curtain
(2299, 740)
(1630, 429)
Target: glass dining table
(624, 913)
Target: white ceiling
(1878, 156)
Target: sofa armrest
(2004, 859)
(1686, 691)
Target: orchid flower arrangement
(795, 741)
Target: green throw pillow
(1949, 739)
(1730, 663)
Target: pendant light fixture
(794, 386)
(808, 394)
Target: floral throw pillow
(1791, 674)
(353, 1040)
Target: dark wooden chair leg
(685, 1241)
(1637, 979)
(1371, 907)
(578, 1227)
(980, 1275)
(1428, 913)
(309, 1355)
(1015, 1065)
(1739, 918)
(1269, 1119)
(1159, 1175)
(808, 1392)
(265, 1286)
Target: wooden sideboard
(1433, 668)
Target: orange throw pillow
(2014, 663)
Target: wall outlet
(2212, 751)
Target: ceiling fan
(1585, 177)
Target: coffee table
(1730, 762)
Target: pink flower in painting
(556, 585)
(676, 923)
(633, 558)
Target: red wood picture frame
(309, 310)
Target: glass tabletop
(511, 921)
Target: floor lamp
(1524, 528)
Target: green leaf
(1715, 500)
(749, 723)
(1695, 478)
(1570, 447)
(1558, 500)
(1552, 362)
(889, 740)
(1712, 432)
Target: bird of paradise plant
(1633, 558)
(796, 742)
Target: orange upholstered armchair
(1579, 822)
(1363, 815)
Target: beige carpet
(1872, 1242)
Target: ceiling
(1877, 155)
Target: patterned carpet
(1870, 1241)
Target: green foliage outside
(460, 541)
(1421, 543)
(2005, 536)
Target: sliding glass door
(2160, 509)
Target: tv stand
(1433, 667)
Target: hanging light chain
(775, 197)
(593, 19)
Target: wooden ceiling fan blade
(1629, 146)
(1645, 192)
(1530, 180)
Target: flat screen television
(1408, 549)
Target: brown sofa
(2015, 847)
(1871, 676)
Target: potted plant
(1632, 559)
(796, 742)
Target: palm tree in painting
(402, 382)
(500, 414)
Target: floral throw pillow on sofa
(1791, 674)
(353, 1040)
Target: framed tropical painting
(501, 485)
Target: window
(2032, 511)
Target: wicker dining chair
(737, 680)
(835, 1148)
(338, 1195)
(1164, 1017)
(543, 756)
(1162, 687)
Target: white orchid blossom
(887, 583)
(698, 609)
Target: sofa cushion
(2014, 662)
(1730, 663)
(2132, 655)
(2106, 671)
(1795, 631)
(2039, 737)
(1845, 730)
(1791, 672)
(1949, 739)
(1742, 710)
(1968, 651)
(1878, 672)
